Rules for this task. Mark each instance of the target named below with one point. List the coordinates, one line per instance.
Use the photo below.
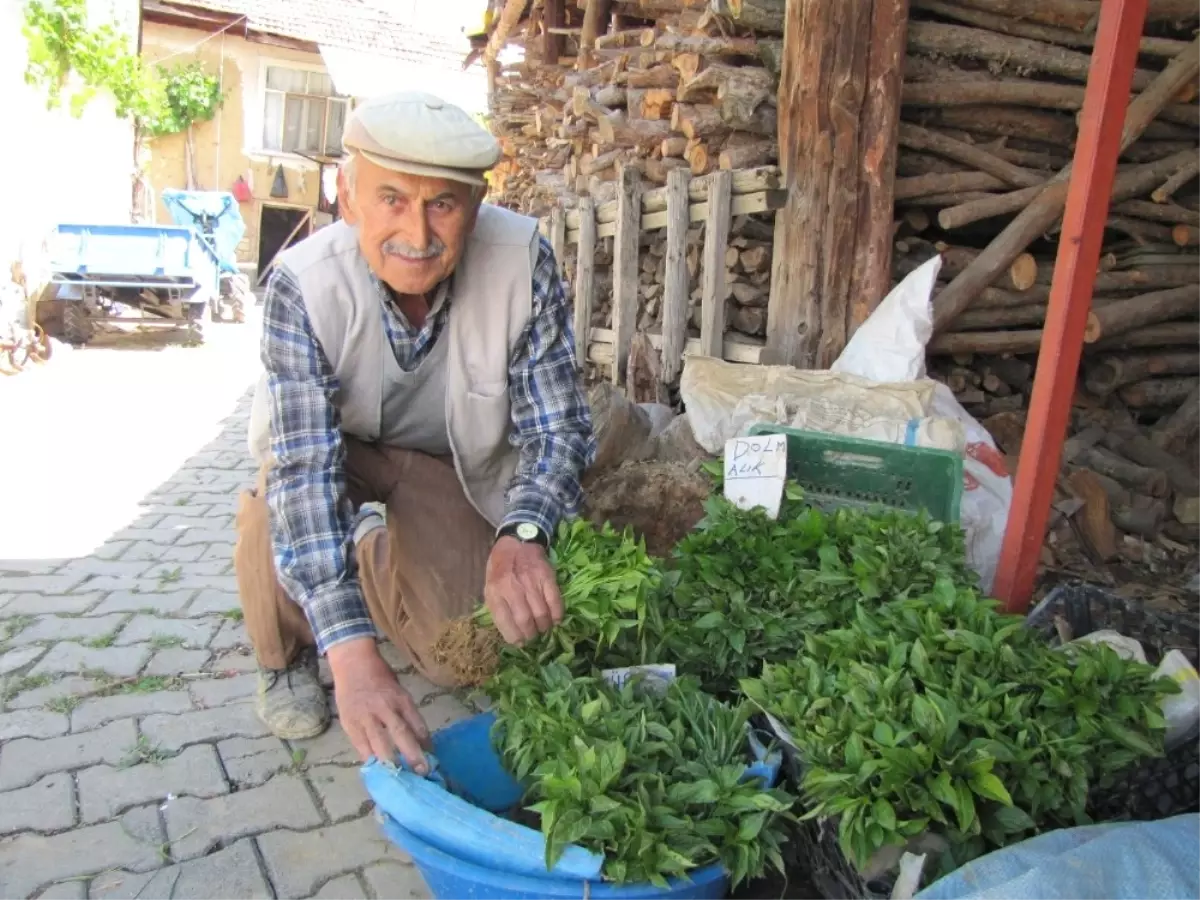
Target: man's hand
(520, 590)
(379, 716)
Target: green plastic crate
(843, 471)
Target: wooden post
(585, 277)
(675, 291)
(625, 268)
(552, 41)
(834, 147)
(558, 236)
(595, 12)
(712, 264)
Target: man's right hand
(379, 716)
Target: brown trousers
(425, 569)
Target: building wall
(230, 145)
(58, 168)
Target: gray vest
(491, 297)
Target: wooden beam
(625, 268)
(585, 277)
(552, 40)
(743, 205)
(675, 291)
(738, 348)
(712, 265)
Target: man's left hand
(520, 590)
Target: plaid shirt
(311, 517)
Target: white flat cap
(421, 134)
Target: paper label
(655, 678)
(755, 472)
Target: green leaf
(1013, 819)
(710, 620)
(883, 734)
(989, 786)
(885, 814)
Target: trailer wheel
(239, 311)
(78, 329)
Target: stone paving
(131, 761)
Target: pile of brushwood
(913, 705)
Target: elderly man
(420, 425)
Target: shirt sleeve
(552, 425)
(309, 511)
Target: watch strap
(526, 533)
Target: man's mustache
(408, 251)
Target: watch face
(527, 532)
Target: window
(303, 114)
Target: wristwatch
(526, 533)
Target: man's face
(411, 229)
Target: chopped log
(1161, 211)
(749, 155)
(1008, 430)
(1189, 170)
(755, 259)
(1135, 446)
(660, 76)
(1094, 520)
(1145, 309)
(750, 320)
(946, 183)
(1016, 373)
(1027, 28)
(758, 15)
(1020, 53)
(986, 342)
(984, 319)
(645, 133)
(1047, 207)
(1074, 14)
(697, 121)
(1043, 126)
(697, 156)
(1166, 335)
(657, 103)
(917, 138)
(916, 219)
(626, 39)
(1140, 230)
(707, 46)
(1173, 432)
(1187, 510)
(1075, 445)
(1105, 375)
(748, 295)
(1185, 235)
(674, 146)
(1144, 516)
(686, 64)
(1157, 392)
(995, 298)
(1149, 277)
(1143, 479)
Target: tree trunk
(1146, 309)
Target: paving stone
(217, 553)
(216, 498)
(176, 660)
(185, 521)
(346, 887)
(177, 731)
(65, 890)
(128, 601)
(144, 825)
(442, 711)
(249, 762)
(231, 872)
(112, 549)
(47, 805)
(15, 567)
(340, 790)
(389, 881)
(42, 584)
(209, 601)
(220, 691)
(203, 569)
(25, 760)
(19, 658)
(194, 827)
(69, 658)
(94, 566)
(396, 658)
(40, 604)
(194, 633)
(332, 746)
(32, 723)
(105, 791)
(231, 636)
(60, 628)
(170, 505)
(419, 687)
(219, 534)
(30, 860)
(99, 710)
(298, 861)
(71, 686)
(234, 662)
(151, 552)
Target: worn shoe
(291, 701)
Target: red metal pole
(1117, 37)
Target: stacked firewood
(665, 87)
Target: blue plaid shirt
(311, 517)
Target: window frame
(257, 126)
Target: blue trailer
(216, 217)
(169, 274)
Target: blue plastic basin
(450, 878)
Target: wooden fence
(714, 200)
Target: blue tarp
(210, 211)
(1114, 861)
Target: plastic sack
(1182, 710)
(890, 346)
(1113, 861)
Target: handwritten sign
(755, 472)
(654, 678)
